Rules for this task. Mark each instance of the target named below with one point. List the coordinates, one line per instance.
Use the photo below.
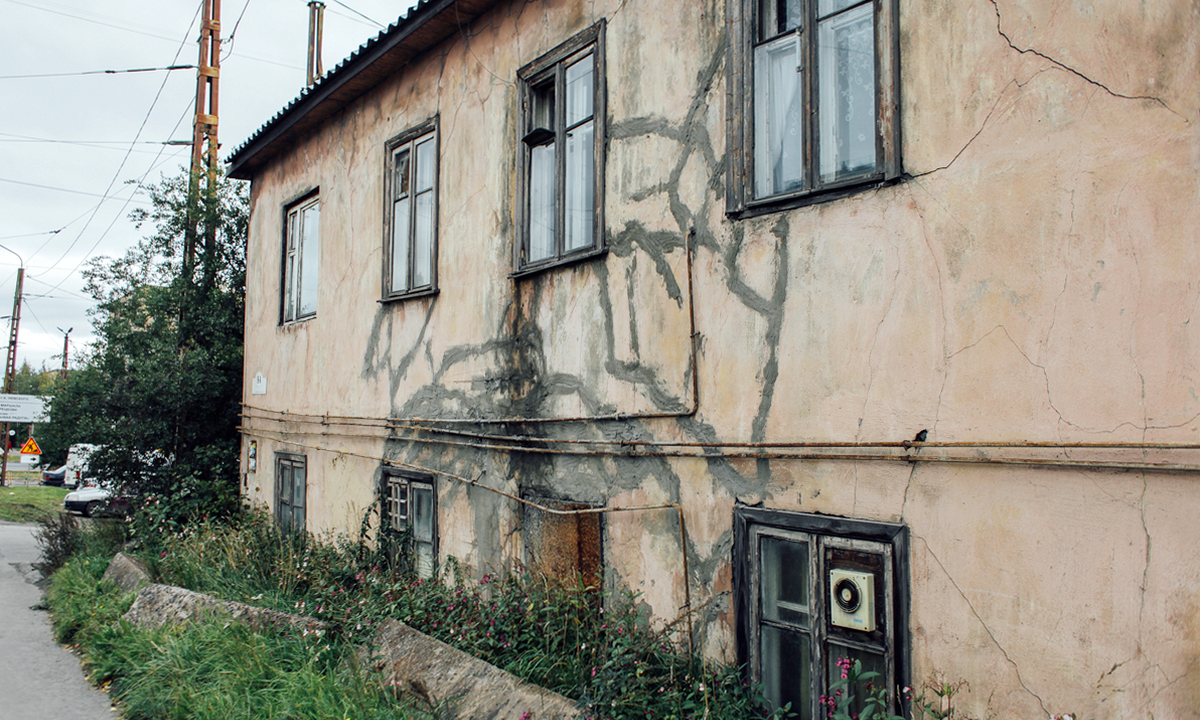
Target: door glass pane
(581, 183)
(424, 239)
(871, 663)
(778, 119)
(309, 261)
(285, 483)
(425, 165)
(846, 58)
(541, 202)
(784, 572)
(787, 669)
(400, 245)
(579, 91)
(422, 512)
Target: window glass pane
(579, 91)
(871, 662)
(778, 119)
(787, 669)
(784, 572)
(298, 480)
(310, 252)
(400, 180)
(400, 245)
(824, 7)
(424, 559)
(425, 165)
(422, 512)
(543, 107)
(289, 273)
(581, 182)
(541, 202)
(423, 239)
(846, 58)
(779, 16)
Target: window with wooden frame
(814, 101)
(301, 258)
(561, 154)
(813, 591)
(411, 213)
(291, 487)
(410, 513)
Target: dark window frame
(394, 478)
(745, 22)
(408, 140)
(836, 532)
(292, 251)
(550, 69)
(287, 520)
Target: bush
(62, 536)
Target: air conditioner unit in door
(852, 599)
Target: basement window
(813, 590)
(563, 547)
(410, 516)
(291, 486)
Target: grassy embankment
(30, 504)
(597, 650)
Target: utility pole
(10, 364)
(204, 126)
(316, 24)
(66, 344)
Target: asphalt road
(39, 680)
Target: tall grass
(571, 639)
(213, 670)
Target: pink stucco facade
(1031, 277)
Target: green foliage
(159, 389)
(936, 700)
(573, 639)
(856, 697)
(60, 536)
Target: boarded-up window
(563, 548)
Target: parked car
(54, 477)
(95, 500)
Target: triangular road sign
(31, 448)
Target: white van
(77, 463)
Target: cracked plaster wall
(1032, 278)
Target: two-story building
(832, 328)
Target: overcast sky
(69, 144)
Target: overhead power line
(368, 19)
(99, 72)
(62, 189)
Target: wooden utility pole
(204, 126)
(66, 346)
(316, 24)
(10, 366)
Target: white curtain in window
(778, 118)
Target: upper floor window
(814, 101)
(412, 212)
(301, 253)
(561, 155)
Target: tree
(160, 388)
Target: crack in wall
(1063, 66)
(983, 624)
